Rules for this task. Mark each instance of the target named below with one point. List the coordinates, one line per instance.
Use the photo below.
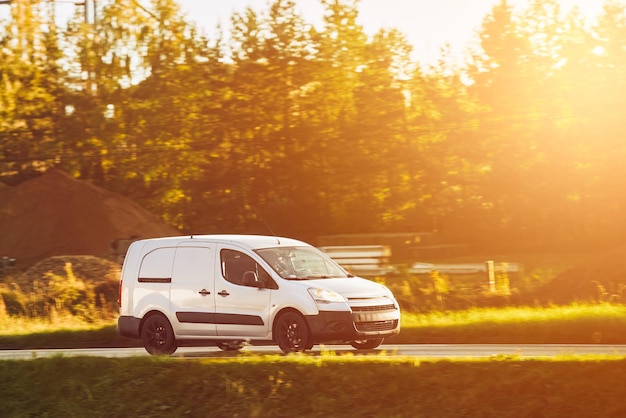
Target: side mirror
(251, 279)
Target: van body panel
(353, 287)
(129, 273)
(151, 297)
(192, 294)
(242, 310)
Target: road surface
(413, 350)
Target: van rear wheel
(292, 334)
(157, 335)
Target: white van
(228, 290)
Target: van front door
(241, 307)
(192, 296)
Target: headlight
(325, 296)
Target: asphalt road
(413, 350)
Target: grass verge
(326, 386)
(573, 324)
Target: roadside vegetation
(573, 324)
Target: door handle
(223, 293)
(204, 292)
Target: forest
(276, 125)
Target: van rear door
(192, 295)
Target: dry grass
(60, 291)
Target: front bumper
(344, 326)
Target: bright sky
(428, 24)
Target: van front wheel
(291, 333)
(366, 344)
(158, 336)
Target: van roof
(250, 241)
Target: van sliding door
(192, 294)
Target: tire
(292, 334)
(231, 345)
(366, 344)
(157, 335)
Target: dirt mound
(77, 282)
(598, 278)
(6, 193)
(55, 214)
(104, 274)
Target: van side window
(235, 264)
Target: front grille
(376, 326)
(373, 308)
(374, 316)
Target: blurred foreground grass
(312, 386)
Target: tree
(30, 92)
(515, 79)
(594, 77)
(163, 118)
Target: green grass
(307, 386)
(573, 324)
(511, 315)
(20, 325)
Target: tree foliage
(279, 126)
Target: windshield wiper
(314, 276)
(309, 277)
(296, 278)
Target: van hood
(353, 287)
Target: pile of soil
(55, 214)
(102, 273)
(97, 281)
(600, 278)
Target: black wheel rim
(157, 334)
(291, 334)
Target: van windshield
(301, 263)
